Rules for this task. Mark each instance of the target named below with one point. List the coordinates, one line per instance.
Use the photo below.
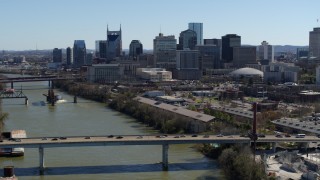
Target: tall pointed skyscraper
(114, 44)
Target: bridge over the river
(126, 140)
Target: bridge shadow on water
(108, 169)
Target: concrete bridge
(125, 140)
(34, 78)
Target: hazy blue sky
(47, 24)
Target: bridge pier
(26, 101)
(41, 159)
(11, 84)
(274, 146)
(75, 99)
(165, 149)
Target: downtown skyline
(56, 24)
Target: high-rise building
(79, 53)
(164, 50)
(187, 40)
(244, 55)
(101, 49)
(187, 59)
(69, 56)
(228, 42)
(314, 42)
(302, 53)
(266, 53)
(114, 44)
(213, 41)
(135, 48)
(209, 56)
(198, 28)
(57, 55)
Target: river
(89, 118)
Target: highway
(73, 141)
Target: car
(261, 135)
(177, 136)
(63, 138)
(206, 136)
(110, 136)
(87, 137)
(44, 138)
(318, 136)
(17, 140)
(287, 135)
(194, 135)
(220, 135)
(279, 136)
(139, 137)
(54, 139)
(119, 137)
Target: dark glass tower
(187, 40)
(228, 42)
(79, 53)
(114, 44)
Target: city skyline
(36, 24)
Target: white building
(154, 74)
(266, 52)
(105, 73)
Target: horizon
(34, 23)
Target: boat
(14, 135)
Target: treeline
(89, 91)
(157, 118)
(239, 163)
(3, 115)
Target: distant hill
(287, 48)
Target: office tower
(89, 59)
(244, 55)
(164, 50)
(187, 40)
(302, 53)
(187, 59)
(314, 42)
(69, 56)
(266, 53)
(79, 53)
(213, 41)
(209, 56)
(101, 49)
(135, 48)
(57, 55)
(228, 42)
(114, 44)
(198, 28)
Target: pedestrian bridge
(126, 140)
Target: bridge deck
(140, 140)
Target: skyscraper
(266, 53)
(135, 48)
(101, 49)
(57, 55)
(69, 56)
(187, 40)
(314, 42)
(79, 53)
(164, 51)
(228, 42)
(198, 28)
(114, 44)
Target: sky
(48, 24)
